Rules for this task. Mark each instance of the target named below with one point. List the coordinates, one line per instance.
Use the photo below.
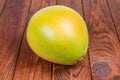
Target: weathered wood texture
(30, 66)
(2, 5)
(114, 7)
(12, 23)
(102, 62)
(104, 46)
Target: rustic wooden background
(102, 62)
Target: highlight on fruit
(58, 34)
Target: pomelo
(58, 34)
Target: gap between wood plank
(112, 19)
(101, 10)
(41, 64)
(21, 40)
(11, 33)
(88, 39)
(3, 7)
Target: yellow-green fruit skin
(58, 34)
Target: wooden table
(102, 62)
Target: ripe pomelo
(58, 34)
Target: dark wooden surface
(102, 61)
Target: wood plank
(2, 5)
(115, 12)
(114, 7)
(104, 46)
(80, 71)
(30, 66)
(12, 24)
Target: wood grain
(104, 45)
(30, 66)
(80, 71)
(2, 5)
(114, 7)
(11, 30)
(102, 62)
